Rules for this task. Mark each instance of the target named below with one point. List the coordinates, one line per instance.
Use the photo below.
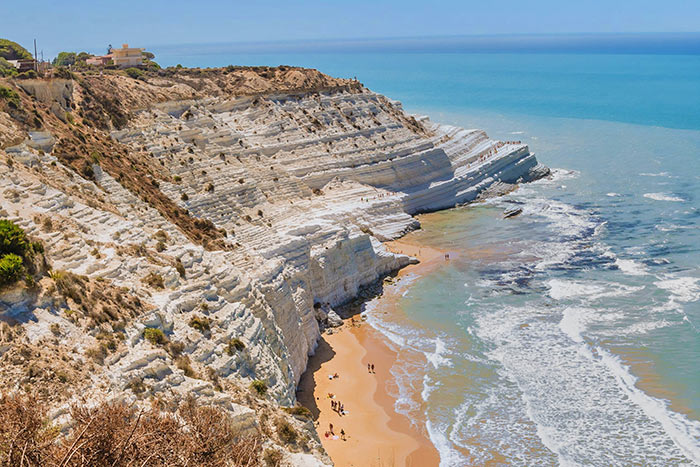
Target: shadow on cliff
(307, 384)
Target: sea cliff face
(232, 206)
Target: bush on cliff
(234, 345)
(133, 73)
(119, 434)
(260, 387)
(16, 254)
(155, 336)
(10, 269)
(6, 68)
(154, 280)
(201, 324)
(286, 432)
(10, 96)
(299, 411)
(12, 239)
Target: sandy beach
(375, 434)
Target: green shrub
(234, 345)
(259, 386)
(10, 268)
(151, 65)
(65, 59)
(201, 324)
(12, 239)
(10, 96)
(29, 74)
(155, 336)
(134, 73)
(6, 68)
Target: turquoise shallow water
(530, 332)
(569, 334)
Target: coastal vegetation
(118, 434)
(10, 96)
(234, 345)
(17, 254)
(155, 336)
(201, 324)
(10, 50)
(6, 68)
(65, 59)
(286, 432)
(259, 386)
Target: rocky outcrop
(303, 186)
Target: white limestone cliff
(307, 187)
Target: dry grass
(114, 434)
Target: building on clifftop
(127, 56)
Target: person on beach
(330, 426)
(372, 367)
(342, 434)
(368, 369)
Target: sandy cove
(375, 434)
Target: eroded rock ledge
(240, 197)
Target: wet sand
(375, 434)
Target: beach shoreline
(376, 435)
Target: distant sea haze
(640, 43)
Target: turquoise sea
(569, 335)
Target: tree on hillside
(13, 51)
(71, 58)
(65, 59)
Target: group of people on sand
(330, 432)
(370, 368)
(338, 407)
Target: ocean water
(568, 335)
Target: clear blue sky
(91, 25)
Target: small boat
(512, 212)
